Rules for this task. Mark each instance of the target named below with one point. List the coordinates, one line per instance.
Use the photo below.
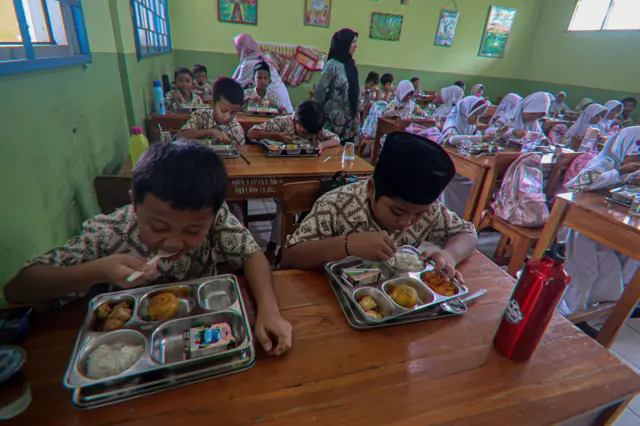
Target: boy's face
(416, 86)
(629, 107)
(224, 111)
(201, 78)
(394, 214)
(165, 228)
(263, 79)
(184, 82)
(301, 131)
(387, 87)
(561, 98)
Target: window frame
(77, 38)
(151, 51)
(604, 21)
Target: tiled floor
(626, 346)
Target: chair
(521, 239)
(112, 192)
(364, 142)
(297, 197)
(486, 118)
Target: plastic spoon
(161, 255)
(453, 306)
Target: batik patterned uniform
(173, 105)
(118, 233)
(203, 119)
(205, 90)
(346, 210)
(269, 99)
(285, 124)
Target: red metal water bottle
(530, 308)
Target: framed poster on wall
(447, 28)
(317, 13)
(238, 11)
(385, 26)
(496, 32)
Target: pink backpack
(577, 165)
(521, 199)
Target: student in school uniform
(220, 122)
(388, 91)
(307, 124)
(598, 273)
(403, 105)
(506, 110)
(260, 95)
(590, 118)
(478, 90)
(201, 82)
(460, 126)
(625, 119)
(182, 96)
(461, 84)
(395, 207)
(450, 96)
(614, 109)
(250, 55)
(416, 86)
(528, 113)
(584, 102)
(559, 105)
(371, 92)
(177, 205)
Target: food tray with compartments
(381, 290)
(261, 111)
(223, 150)
(190, 109)
(181, 341)
(297, 148)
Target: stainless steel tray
(303, 149)
(430, 300)
(203, 301)
(223, 150)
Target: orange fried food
(405, 296)
(163, 306)
(439, 283)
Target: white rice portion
(109, 360)
(407, 262)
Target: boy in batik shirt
(398, 206)
(220, 122)
(260, 95)
(182, 96)
(201, 82)
(178, 206)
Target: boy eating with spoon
(177, 206)
(398, 206)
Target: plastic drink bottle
(138, 144)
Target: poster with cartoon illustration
(238, 11)
(496, 32)
(317, 13)
(447, 28)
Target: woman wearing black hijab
(338, 90)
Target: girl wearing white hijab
(450, 96)
(402, 105)
(590, 117)
(583, 104)
(478, 90)
(461, 125)
(614, 109)
(598, 273)
(526, 116)
(506, 110)
(559, 106)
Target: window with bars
(606, 15)
(37, 34)
(151, 27)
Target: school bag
(371, 122)
(577, 165)
(521, 199)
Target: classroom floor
(626, 346)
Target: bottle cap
(137, 131)
(557, 252)
(157, 83)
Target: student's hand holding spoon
(115, 269)
(222, 137)
(373, 246)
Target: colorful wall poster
(238, 11)
(447, 28)
(385, 26)
(317, 13)
(496, 32)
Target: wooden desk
(474, 168)
(423, 101)
(264, 177)
(443, 372)
(549, 123)
(608, 224)
(173, 122)
(390, 125)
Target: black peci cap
(413, 168)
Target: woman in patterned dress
(338, 90)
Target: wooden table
(549, 123)
(443, 372)
(608, 224)
(390, 125)
(264, 177)
(173, 122)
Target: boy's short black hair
(198, 68)
(414, 79)
(185, 174)
(386, 78)
(460, 84)
(228, 89)
(182, 70)
(373, 77)
(630, 99)
(310, 115)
